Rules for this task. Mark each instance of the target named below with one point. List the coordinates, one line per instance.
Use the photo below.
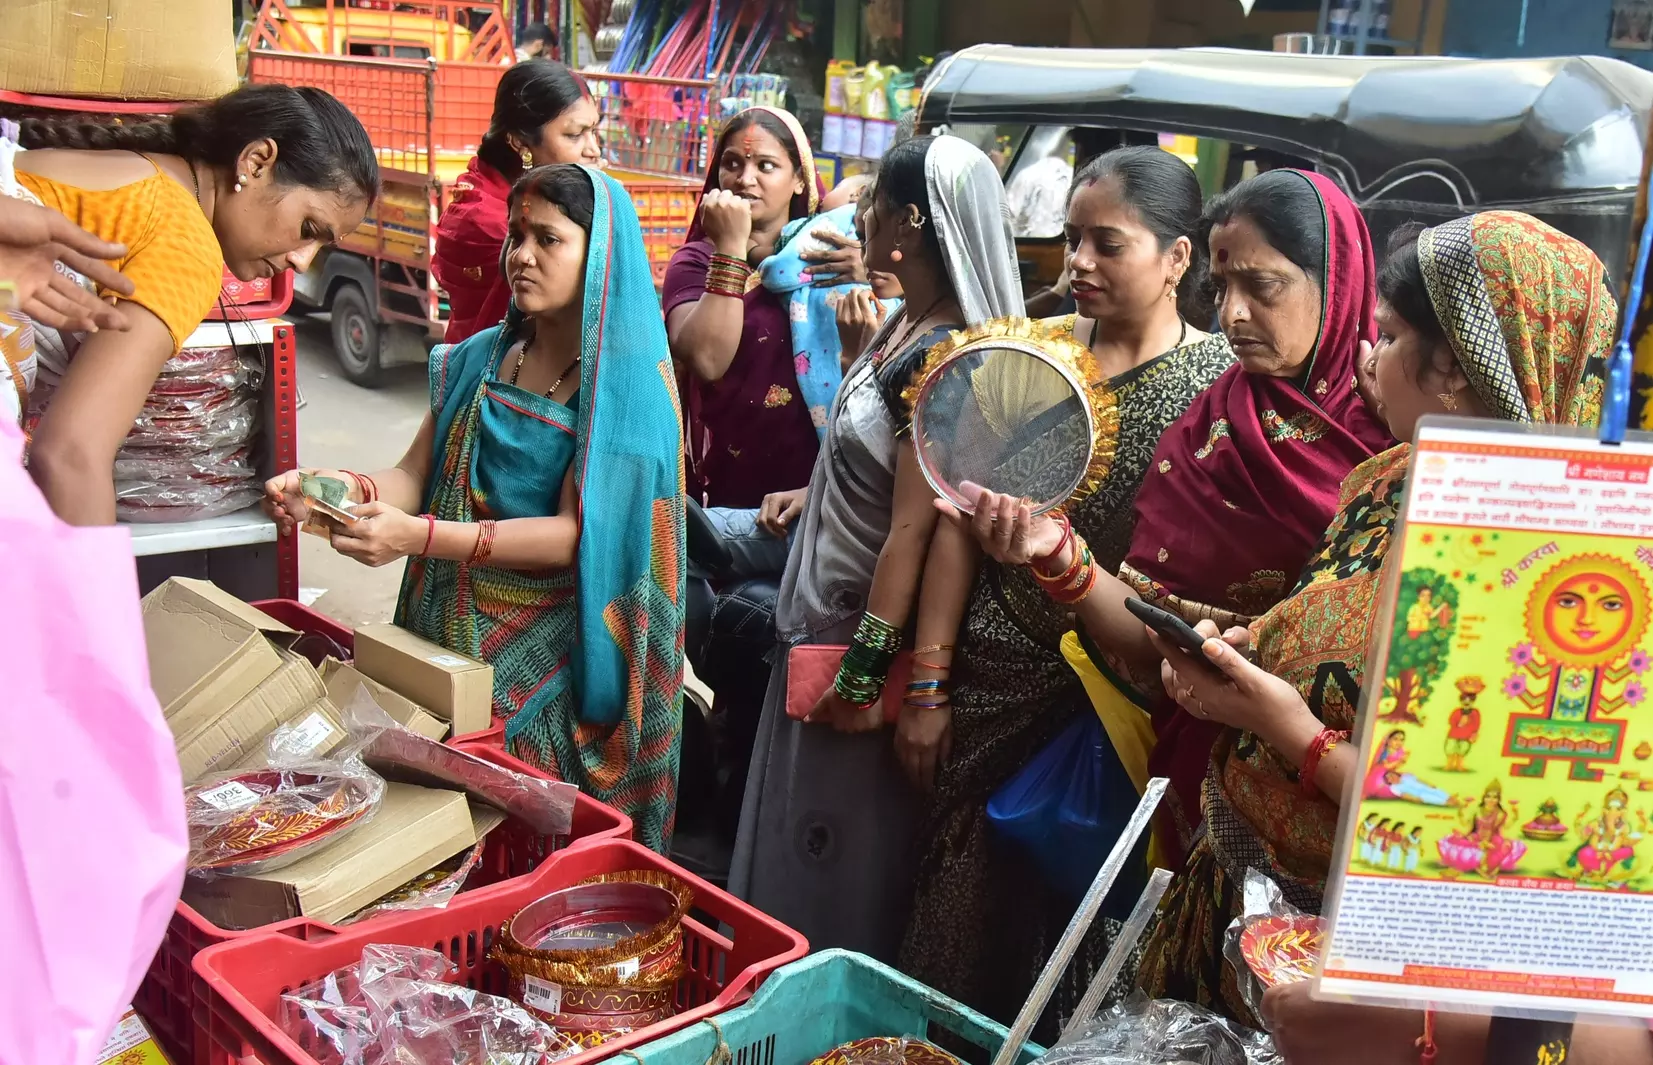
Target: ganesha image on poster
(1581, 665)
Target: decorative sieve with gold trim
(1016, 407)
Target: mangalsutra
(517, 369)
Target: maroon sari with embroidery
(1244, 484)
(749, 433)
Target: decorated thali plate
(259, 816)
(886, 1050)
(1282, 950)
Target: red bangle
(484, 543)
(361, 488)
(1319, 748)
(430, 534)
(1056, 552)
(372, 488)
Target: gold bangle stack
(727, 276)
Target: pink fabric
(92, 833)
(1233, 529)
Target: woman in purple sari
(748, 430)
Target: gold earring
(1449, 400)
(527, 159)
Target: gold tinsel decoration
(1052, 338)
(600, 966)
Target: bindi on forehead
(1222, 255)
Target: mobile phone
(1169, 626)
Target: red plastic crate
(664, 211)
(263, 297)
(166, 998)
(243, 981)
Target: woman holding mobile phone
(1281, 765)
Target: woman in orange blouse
(258, 180)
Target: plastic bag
(431, 890)
(400, 754)
(175, 505)
(1272, 943)
(1140, 1031)
(175, 466)
(232, 424)
(1067, 807)
(91, 802)
(255, 821)
(397, 1008)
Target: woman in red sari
(543, 114)
(1242, 485)
(749, 431)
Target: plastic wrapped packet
(220, 367)
(331, 1016)
(402, 755)
(1271, 943)
(152, 504)
(255, 821)
(176, 466)
(431, 890)
(397, 1008)
(1140, 1031)
(233, 424)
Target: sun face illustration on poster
(1540, 773)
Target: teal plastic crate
(827, 999)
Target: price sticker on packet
(1495, 855)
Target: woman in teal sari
(540, 506)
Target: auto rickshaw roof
(1481, 132)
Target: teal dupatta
(588, 662)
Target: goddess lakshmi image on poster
(1579, 667)
(1511, 736)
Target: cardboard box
(131, 1043)
(413, 829)
(207, 650)
(293, 694)
(122, 49)
(457, 689)
(343, 681)
(313, 731)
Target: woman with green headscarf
(540, 506)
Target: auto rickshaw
(1409, 138)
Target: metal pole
(1135, 925)
(1083, 917)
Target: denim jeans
(756, 553)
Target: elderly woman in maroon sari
(749, 432)
(1243, 484)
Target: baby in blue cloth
(796, 272)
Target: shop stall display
(316, 793)
(727, 950)
(864, 109)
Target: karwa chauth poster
(1499, 853)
